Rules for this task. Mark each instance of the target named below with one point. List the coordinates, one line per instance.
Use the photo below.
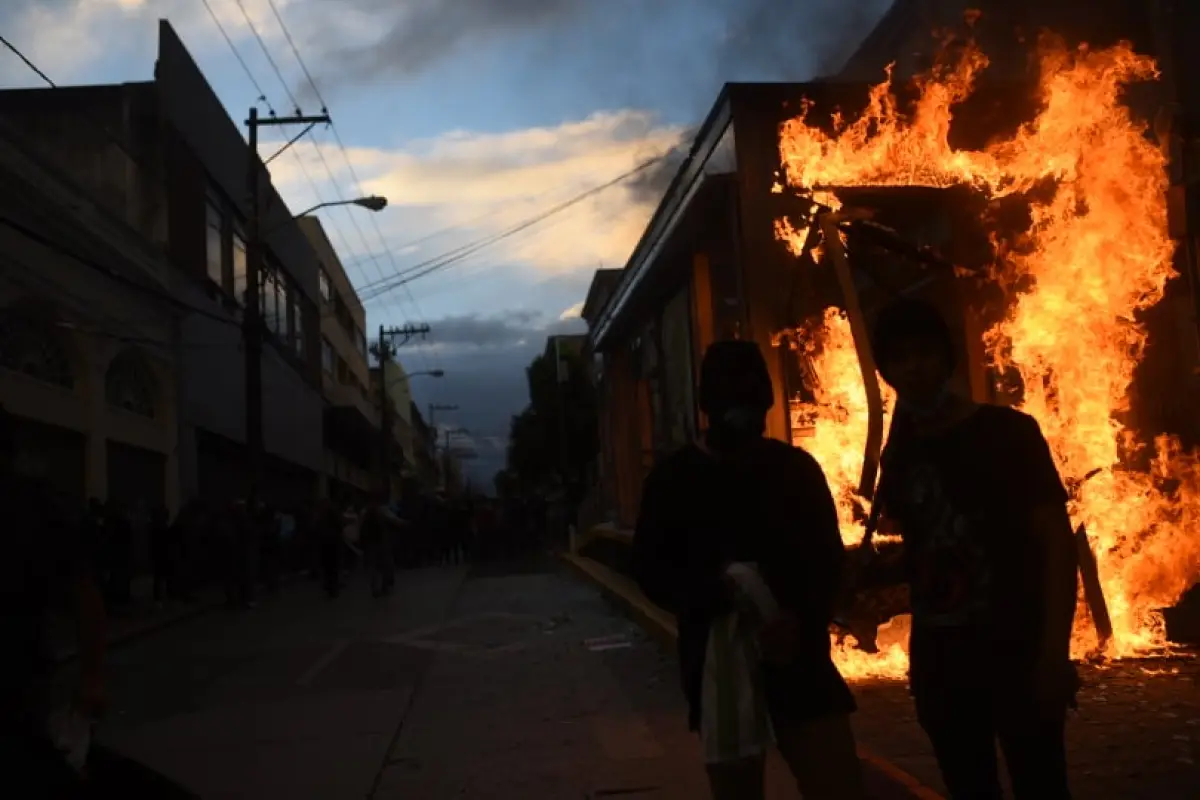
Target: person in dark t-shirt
(741, 497)
(990, 562)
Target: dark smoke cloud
(640, 41)
(419, 33)
(651, 183)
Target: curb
(661, 626)
(69, 656)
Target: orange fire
(1096, 253)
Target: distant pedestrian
(378, 529)
(738, 537)
(991, 564)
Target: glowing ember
(1097, 253)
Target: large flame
(1096, 253)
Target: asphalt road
(508, 683)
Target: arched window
(130, 385)
(34, 349)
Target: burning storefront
(1045, 235)
(1044, 212)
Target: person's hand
(1055, 682)
(91, 696)
(777, 639)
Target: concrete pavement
(497, 683)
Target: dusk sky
(470, 116)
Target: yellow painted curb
(662, 625)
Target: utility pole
(252, 322)
(384, 350)
(433, 408)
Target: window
(129, 385)
(270, 300)
(298, 324)
(239, 265)
(283, 304)
(326, 356)
(214, 243)
(326, 286)
(33, 349)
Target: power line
(270, 59)
(12, 48)
(358, 184)
(451, 257)
(296, 52)
(262, 96)
(336, 228)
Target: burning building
(1038, 196)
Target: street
(519, 682)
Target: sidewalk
(537, 689)
(144, 616)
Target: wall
(189, 104)
(67, 276)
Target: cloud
(506, 330)
(574, 312)
(419, 33)
(68, 39)
(675, 44)
(484, 359)
(483, 184)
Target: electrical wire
(358, 184)
(262, 96)
(454, 256)
(266, 51)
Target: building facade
(709, 266)
(351, 416)
(165, 157)
(88, 341)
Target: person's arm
(819, 537)
(660, 555)
(1041, 490)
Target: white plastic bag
(71, 733)
(734, 721)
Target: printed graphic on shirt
(950, 580)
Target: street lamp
(371, 202)
(431, 373)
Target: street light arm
(372, 202)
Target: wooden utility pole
(252, 321)
(384, 350)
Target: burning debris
(1062, 295)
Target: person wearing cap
(989, 557)
(740, 532)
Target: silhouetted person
(990, 560)
(44, 567)
(745, 508)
